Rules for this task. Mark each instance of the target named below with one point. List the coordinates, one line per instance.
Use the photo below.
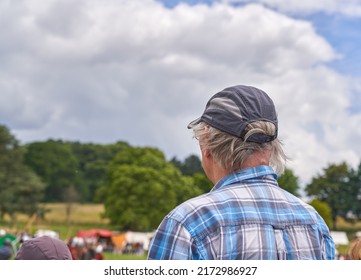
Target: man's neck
(256, 159)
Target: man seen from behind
(246, 215)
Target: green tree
(355, 194)
(93, 162)
(70, 196)
(202, 182)
(289, 182)
(20, 189)
(324, 210)
(187, 188)
(191, 165)
(141, 188)
(333, 188)
(58, 167)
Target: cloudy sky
(103, 71)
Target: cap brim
(194, 123)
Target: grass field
(82, 217)
(80, 213)
(112, 256)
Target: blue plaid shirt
(245, 216)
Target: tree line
(137, 185)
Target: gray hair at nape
(230, 151)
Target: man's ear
(206, 153)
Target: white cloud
(139, 72)
(350, 8)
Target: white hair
(229, 151)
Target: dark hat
(233, 108)
(43, 248)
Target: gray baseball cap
(43, 248)
(233, 108)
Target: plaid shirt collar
(243, 175)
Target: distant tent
(340, 237)
(95, 233)
(93, 236)
(142, 237)
(121, 239)
(46, 232)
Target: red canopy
(94, 233)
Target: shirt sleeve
(329, 248)
(171, 242)
(328, 243)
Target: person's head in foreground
(246, 215)
(355, 249)
(43, 248)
